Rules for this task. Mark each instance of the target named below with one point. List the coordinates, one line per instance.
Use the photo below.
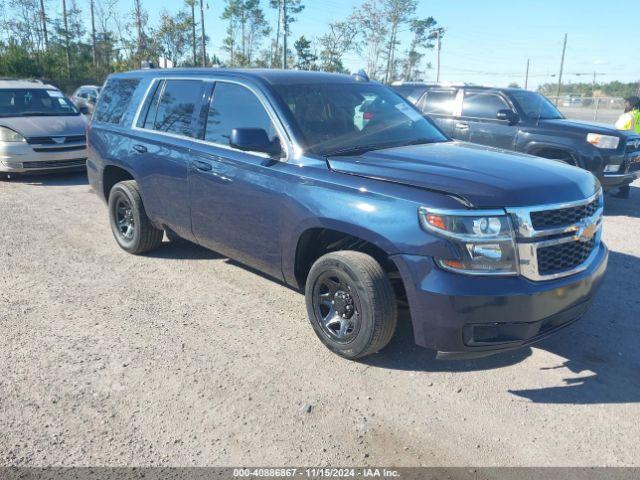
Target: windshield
(355, 118)
(535, 105)
(34, 102)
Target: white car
(40, 129)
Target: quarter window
(115, 100)
(482, 105)
(234, 106)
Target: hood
(484, 177)
(46, 126)
(585, 127)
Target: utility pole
(193, 31)
(438, 48)
(43, 16)
(138, 14)
(526, 76)
(204, 46)
(93, 38)
(284, 34)
(564, 49)
(66, 37)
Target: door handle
(202, 166)
(462, 126)
(140, 148)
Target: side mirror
(84, 110)
(508, 115)
(254, 140)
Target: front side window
(235, 106)
(115, 100)
(482, 105)
(177, 106)
(24, 102)
(535, 105)
(341, 117)
(439, 102)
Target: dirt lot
(182, 357)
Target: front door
(237, 197)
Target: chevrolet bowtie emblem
(586, 231)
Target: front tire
(129, 222)
(351, 303)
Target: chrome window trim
(277, 123)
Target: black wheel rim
(125, 222)
(337, 307)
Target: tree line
(89, 39)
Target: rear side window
(234, 106)
(115, 100)
(482, 105)
(439, 102)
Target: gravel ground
(183, 357)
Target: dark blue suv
(337, 186)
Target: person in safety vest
(630, 119)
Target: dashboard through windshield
(24, 102)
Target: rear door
(478, 122)
(440, 105)
(164, 132)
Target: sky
(487, 41)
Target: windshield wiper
(360, 149)
(356, 150)
(44, 114)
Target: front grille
(547, 219)
(565, 256)
(632, 146)
(59, 149)
(633, 162)
(78, 162)
(51, 141)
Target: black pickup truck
(524, 121)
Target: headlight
(484, 241)
(8, 135)
(603, 141)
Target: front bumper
(464, 316)
(22, 158)
(615, 180)
(629, 171)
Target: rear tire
(129, 222)
(351, 303)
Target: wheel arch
(111, 175)
(315, 240)
(554, 152)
